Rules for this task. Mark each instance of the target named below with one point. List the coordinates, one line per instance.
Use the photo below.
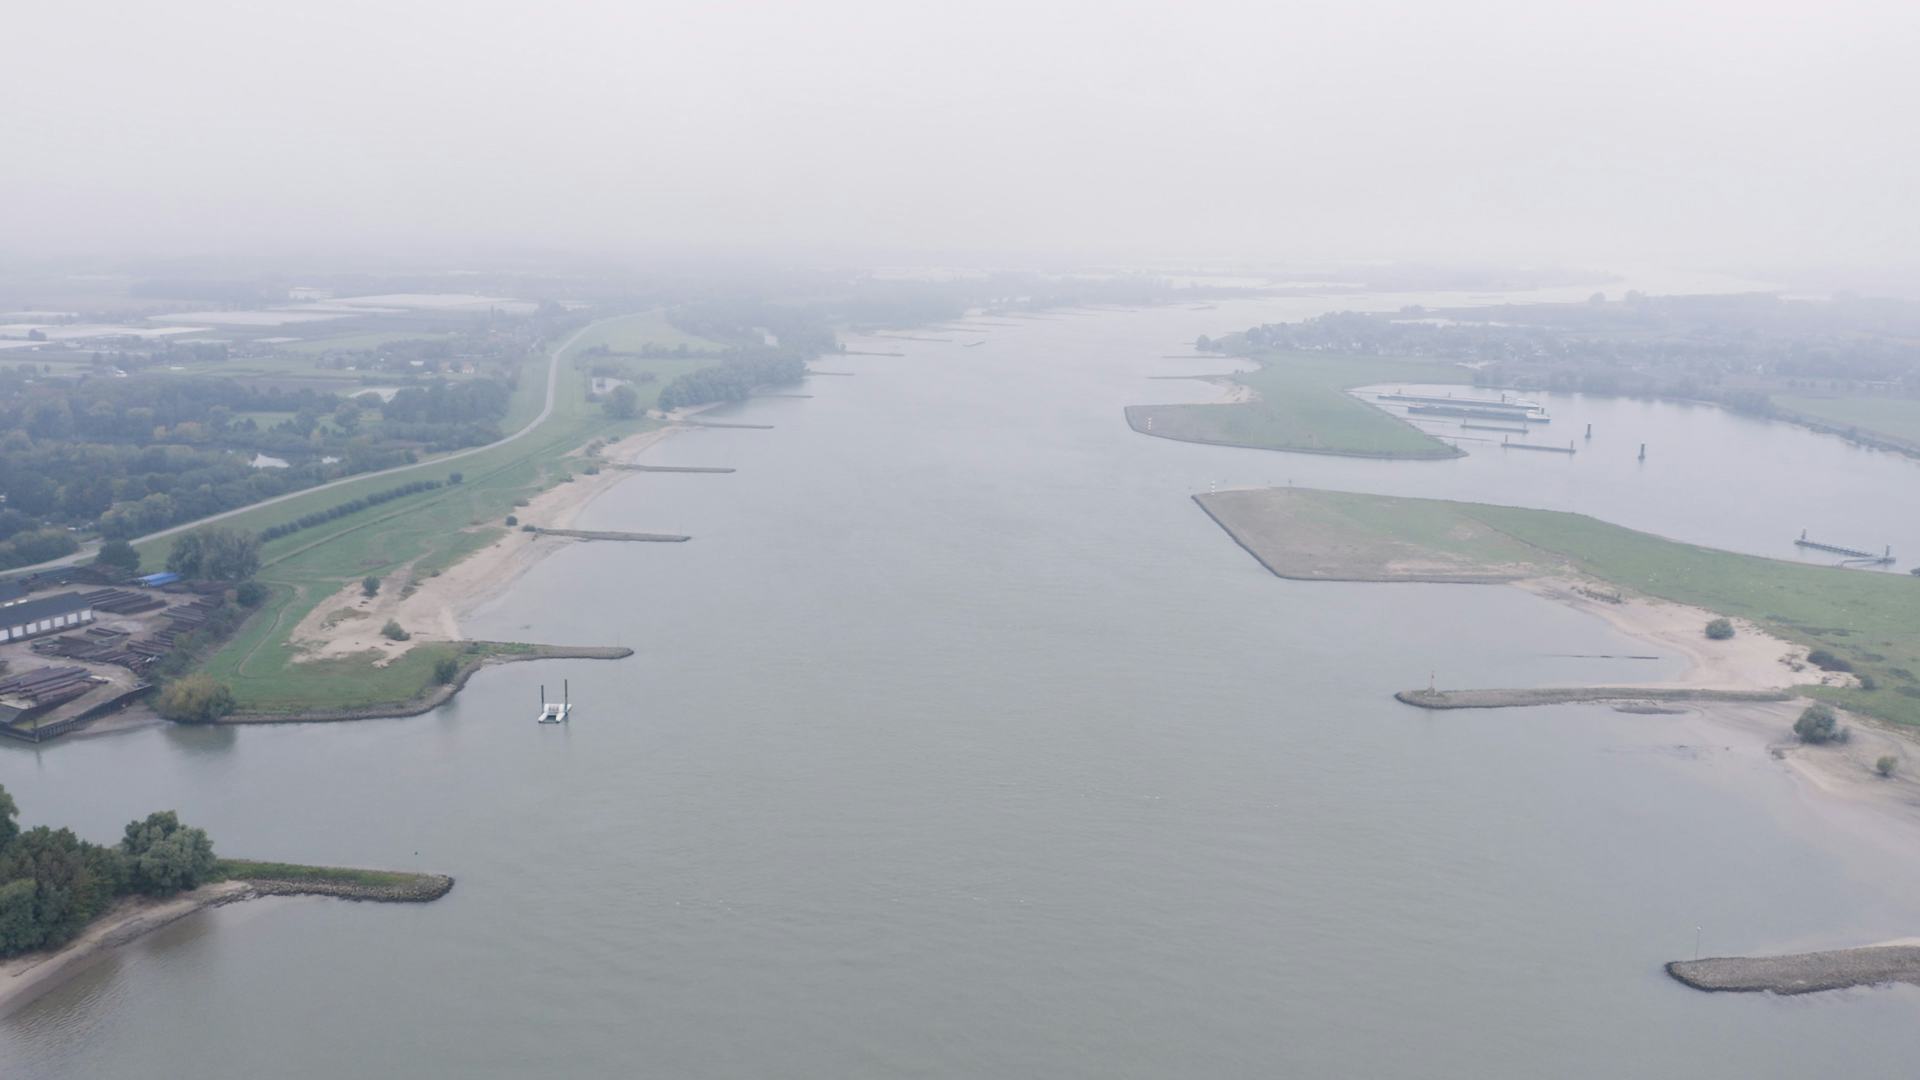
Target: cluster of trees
(733, 379)
(131, 490)
(215, 554)
(746, 322)
(135, 455)
(52, 883)
(351, 506)
(472, 401)
(623, 403)
(128, 410)
(35, 545)
(1729, 349)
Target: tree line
(52, 883)
(733, 379)
(340, 510)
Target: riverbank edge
(1858, 436)
(1801, 973)
(440, 695)
(31, 975)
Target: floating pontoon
(553, 712)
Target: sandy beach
(349, 622)
(1755, 660)
(23, 978)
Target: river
(960, 743)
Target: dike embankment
(1802, 973)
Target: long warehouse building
(31, 618)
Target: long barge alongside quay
(1470, 403)
(1463, 412)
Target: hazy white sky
(1716, 132)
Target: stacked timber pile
(98, 644)
(121, 601)
(41, 689)
(186, 618)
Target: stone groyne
(591, 534)
(419, 889)
(1567, 695)
(1802, 973)
(726, 424)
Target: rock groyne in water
(1802, 973)
(419, 889)
(1566, 695)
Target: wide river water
(960, 743)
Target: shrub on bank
(393, 631)
(195, 699)
(445, 670)
(1819, 724)
(1720, 629)
(1886, 765)
(1825, 660)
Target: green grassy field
(1302, 405)
(429, 531)
(630, 333)
(1897, 418)
(1871, 619)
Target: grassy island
(1298, 401)
(1853, 620)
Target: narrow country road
(553, 381)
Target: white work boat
(553, 712)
